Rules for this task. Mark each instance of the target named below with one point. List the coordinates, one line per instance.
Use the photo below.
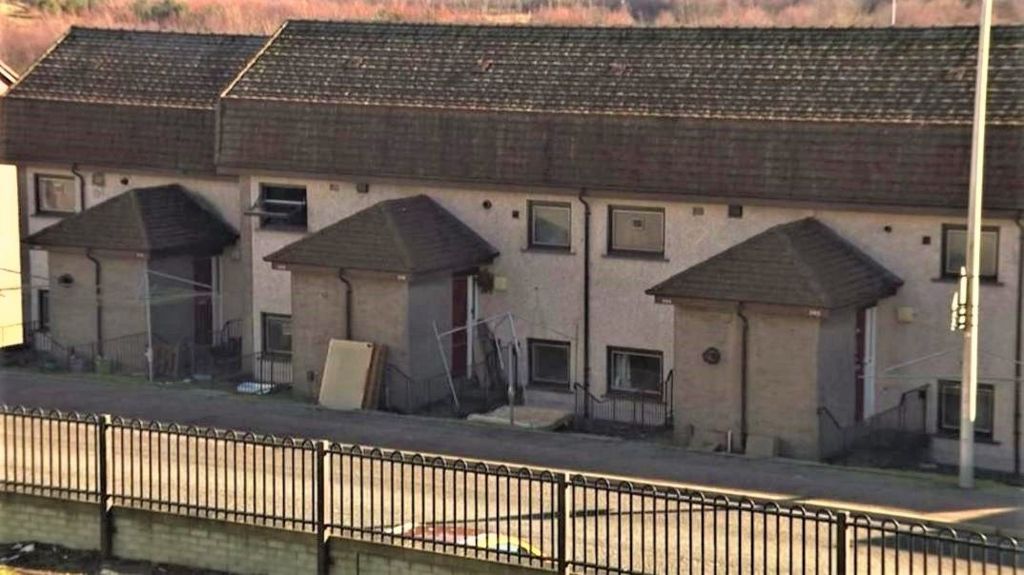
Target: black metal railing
(624, 413)
(477, 393)
(901, 427)
(541, 518)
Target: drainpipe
(586, 303)
(99, 301)
(348, 303)
(743, 375)
(81, 185)
(1017, 354)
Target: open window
(281, 207)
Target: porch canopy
(803, 263)
(158, 222)
(413, 235)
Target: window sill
(626, 394)
(563, 388)
(953, 280)
(952, 436)
(636, 256)
(548, 250)
(59, 215)
(285, 229)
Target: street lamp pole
(969, 381)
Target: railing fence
(541, 518)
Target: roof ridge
(796, 250)
(654, 29)
(140, 222)
(396, 233)
(163, 32)
(863, 256)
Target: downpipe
(348, 303)
(1018, 354)
(744, 338)
(99, 301)
(586, 302)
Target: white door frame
(870, 336)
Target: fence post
(560, 517)
(842, 541)
(322, 556)
(106, 526)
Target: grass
(28, 27)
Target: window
(282, 206)
(549, 362)
(44, 310)
(550, 224)
(636, 230)
(954, 251)
(949, 408)
(277, 334)
(634, 370)
(55, 194)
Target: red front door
(460, 301)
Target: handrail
(662, 397)
(822, 410)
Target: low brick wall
(220, 545)
(30, 518)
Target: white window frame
(612, 249)
(279, 220)
(532, 208)
(627, 351)
(567, 346)
(985, 231)
(266, 317)
(37, 185)
(986, 392)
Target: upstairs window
(56, 195)
(639, 231)
(954, 251)
(282, 207)
(949, 409)
(550, 225)
(634, 370)
(277, 334)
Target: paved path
(921, 496)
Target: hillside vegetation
(28, 27)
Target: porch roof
(802, 263)
(162, 220)
(407, 235)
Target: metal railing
(541, 518)
(624, 414)
(900, 427)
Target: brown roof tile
(802, 263)
(409, 235)
(161, 220)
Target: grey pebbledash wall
(220, 545)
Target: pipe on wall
(744, 336)
(586, 301)
(348, 303)
(99, 301)
(1018, 354)
(81, 186)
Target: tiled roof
(138, 68)
(125, 99)
(802, 263)
(163, 220)
(917, 75)
(409, 235)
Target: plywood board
(345, 374)
(375, 380)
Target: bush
(65, 6)
(158, 10)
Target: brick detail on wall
(220, 545)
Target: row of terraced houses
(758, 230)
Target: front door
(460, 314)
(865, 363)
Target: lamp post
(972, 268)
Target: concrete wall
(318, 315)
(219, 545)
(380, 308)
(73, 307)
(782, 376)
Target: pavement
(910, 495)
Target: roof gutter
(1018, 353)
(99, 301)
